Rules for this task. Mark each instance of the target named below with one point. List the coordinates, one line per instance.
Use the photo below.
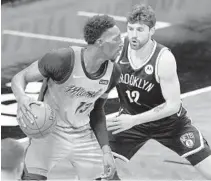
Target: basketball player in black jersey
(149, 93)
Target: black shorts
(176, 133)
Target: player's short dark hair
(96, 26)
(142, 13)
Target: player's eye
(117, 38)
(140, 29)
(130, 28)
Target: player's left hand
(109, 166)
(120, 123)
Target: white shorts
(80, 148)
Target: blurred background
(30, 28)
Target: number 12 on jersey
(133, 96)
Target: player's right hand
(109, 163)
(24, 110)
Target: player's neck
(141, 55)
(93, 59)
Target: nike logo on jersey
(104, 82)
(180, 111)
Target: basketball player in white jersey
(149, 93)
(77, 84)
(12, 155)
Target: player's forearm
(159, 112)
(98, 124)
(18, 85)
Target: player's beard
(136, 44)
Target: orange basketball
(43, 124)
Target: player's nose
(134, 33)
(121, 46)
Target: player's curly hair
(96, 26)
(142, 13)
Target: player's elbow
(174, 106)
(14, 80)
(19, 76)
(15, 77)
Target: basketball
(43, 124)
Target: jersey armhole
(43, 89)
(157, 64)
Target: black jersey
(139, 90)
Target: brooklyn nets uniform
(139, 91)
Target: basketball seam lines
(44, 129)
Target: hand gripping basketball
(42, 124)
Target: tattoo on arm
(159, 108)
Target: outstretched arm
(170, 87)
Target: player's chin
(113, 59)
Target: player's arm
(49, 66)
(21, 79)
(171, 92)
(97, 116)
(168, 78)
(98, 124)
(19, 83)
(52, 65)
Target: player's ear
(152, 30)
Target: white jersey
(74, 97)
